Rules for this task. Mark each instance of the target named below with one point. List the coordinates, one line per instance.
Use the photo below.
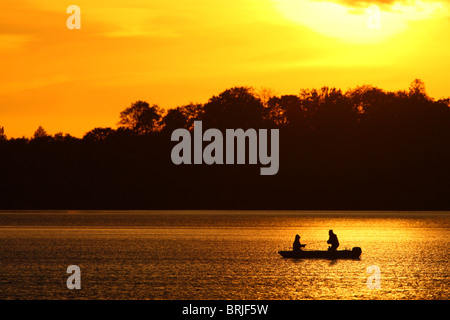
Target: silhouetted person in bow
(297, 246)
(333, 241)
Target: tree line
(365, 148)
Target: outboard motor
(356, 251)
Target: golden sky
(178, 51)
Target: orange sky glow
(174, 52)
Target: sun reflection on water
(227, 256)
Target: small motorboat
(355, 253)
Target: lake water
(178, 255)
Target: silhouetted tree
(367, 100)
(63, 137)
(40, 133)
(286, 111)
(363, 149)
(181, 117)
(336, 112)
(2, 134)
(234, 108)
(140, 117)
(98, 134)
(174, 119)
(417, 88)
(41, 136)
(192, 112)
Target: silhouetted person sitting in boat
(297, 246)
(333, 241)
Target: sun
(356, 25)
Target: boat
(355, 253)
